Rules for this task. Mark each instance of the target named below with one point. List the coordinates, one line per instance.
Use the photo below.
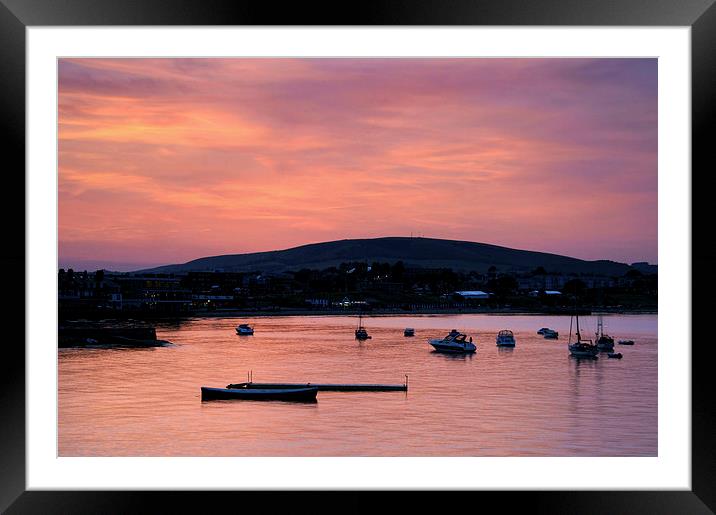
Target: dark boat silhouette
(581, 348)
(285, 394)
(361, 332)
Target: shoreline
(242, 313)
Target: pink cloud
(166, 160)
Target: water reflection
(233, 402)
(459, 356)
(539, 402)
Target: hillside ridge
(413, 251)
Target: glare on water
(533, 400)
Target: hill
(420, 252)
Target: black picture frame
(16, 15)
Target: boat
(255, 394)
(549, 334)
(323, 387)
(455, 341)
(505, 338)
(626, 342)
(605, 342)
(616, 355)
(361, 333)
(409, 331)
(244, 329)
(544, 330)
(581, 348)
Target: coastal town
(348, 288)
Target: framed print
(415, 249)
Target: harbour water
(533, 400)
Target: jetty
(323, 387)
(108, 335)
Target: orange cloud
(180, 158)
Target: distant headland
(382, 275)
(457, 255)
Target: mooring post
(406, 382)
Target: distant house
(155, 292)
(347, 303)
(324, 303)
(535, 293)
(473, 294)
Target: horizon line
(126, 264)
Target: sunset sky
(166, 160)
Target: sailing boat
(581, 348)
(361, 333)
(604, 341)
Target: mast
(576, 315)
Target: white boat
(455, 341)
(409, 331)
(505, 338)
(605, 342)
(244, 329)
(581, 348)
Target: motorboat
(605, 343)
(455, 341)
(615, 355)
(361, 332)
(544, 330)
(581, 348)
(409, 331)
(244, 329)
(255, 394)
(549, 334)
(505, 338)
(626, 342)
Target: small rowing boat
(284, 394)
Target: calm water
(533, 400)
